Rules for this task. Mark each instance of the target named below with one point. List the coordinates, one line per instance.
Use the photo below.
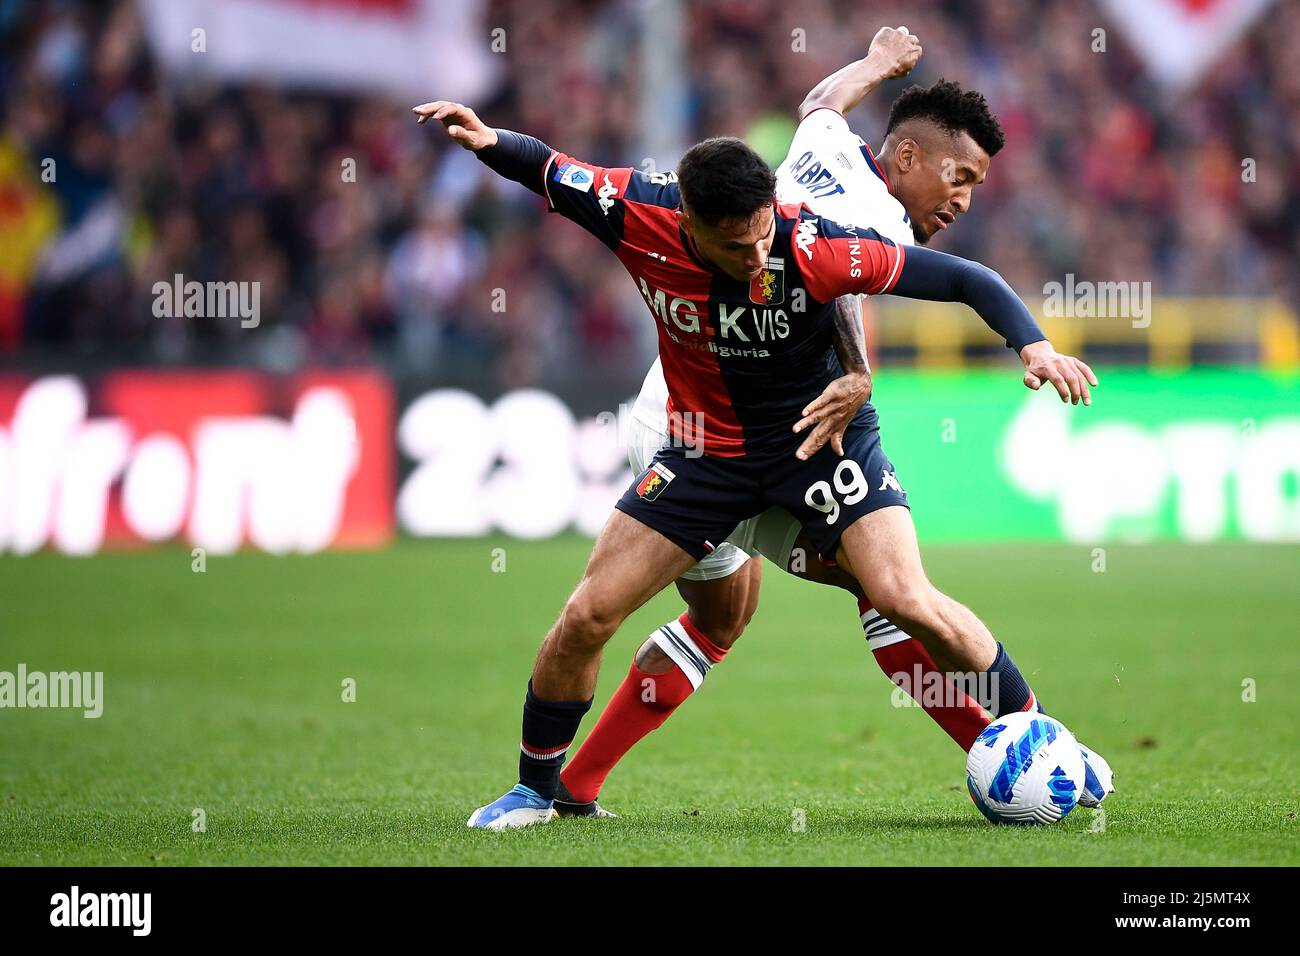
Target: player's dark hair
(950, 107)
(722, 178)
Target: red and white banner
(222, 459)
(420, 49)
(1179, 40)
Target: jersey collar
(875, 168)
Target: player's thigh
(880, 550)
(629, 564)
(721, 607)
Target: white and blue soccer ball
(1025, 768)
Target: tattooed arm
(851, 336)
(831, 412)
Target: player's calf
(881, 550)
(677, 658)
(951, 632)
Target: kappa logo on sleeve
(805, 236)
(654, 481)
(574, 175)
(607, 193)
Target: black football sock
(549, 728)
(1010, 691)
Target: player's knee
(912, 605)
(587, 623)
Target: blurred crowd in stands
(1102, 177)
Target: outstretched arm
(938, 277)
(513, 155)
(582, 192)
(843, 259)
(893, 53)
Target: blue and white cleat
(1098, 779)
(520, 807)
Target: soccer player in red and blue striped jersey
(743, 290)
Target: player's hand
(1070, 375)
(895, 50)
(830, 413)
(463, 124)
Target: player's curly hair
(722, 178)
(953, 109)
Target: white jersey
(830, 170)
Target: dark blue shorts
(697, 502)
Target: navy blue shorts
(697, 502)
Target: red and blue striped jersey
(741, 359)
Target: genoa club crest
(654, 481)
(768, 287)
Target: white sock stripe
(877, 641)
(688, 645)
(870, 616)
(673, 640)
(537, 756)
(879, 626)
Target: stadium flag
(410, 48)
(1179, 40)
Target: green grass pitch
(223, 693)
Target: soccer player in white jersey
(939, 142)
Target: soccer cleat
(520, 807)
(1098, 779)
(566, 806)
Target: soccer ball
(1025, 768)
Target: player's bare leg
(629, 564)
(881, 551)
(718, 611)
(900, 656)
(667, 669)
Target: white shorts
(771, 534)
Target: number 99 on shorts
(850, 483)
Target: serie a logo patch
(575, 175)
(654, 481)
(768, 287)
